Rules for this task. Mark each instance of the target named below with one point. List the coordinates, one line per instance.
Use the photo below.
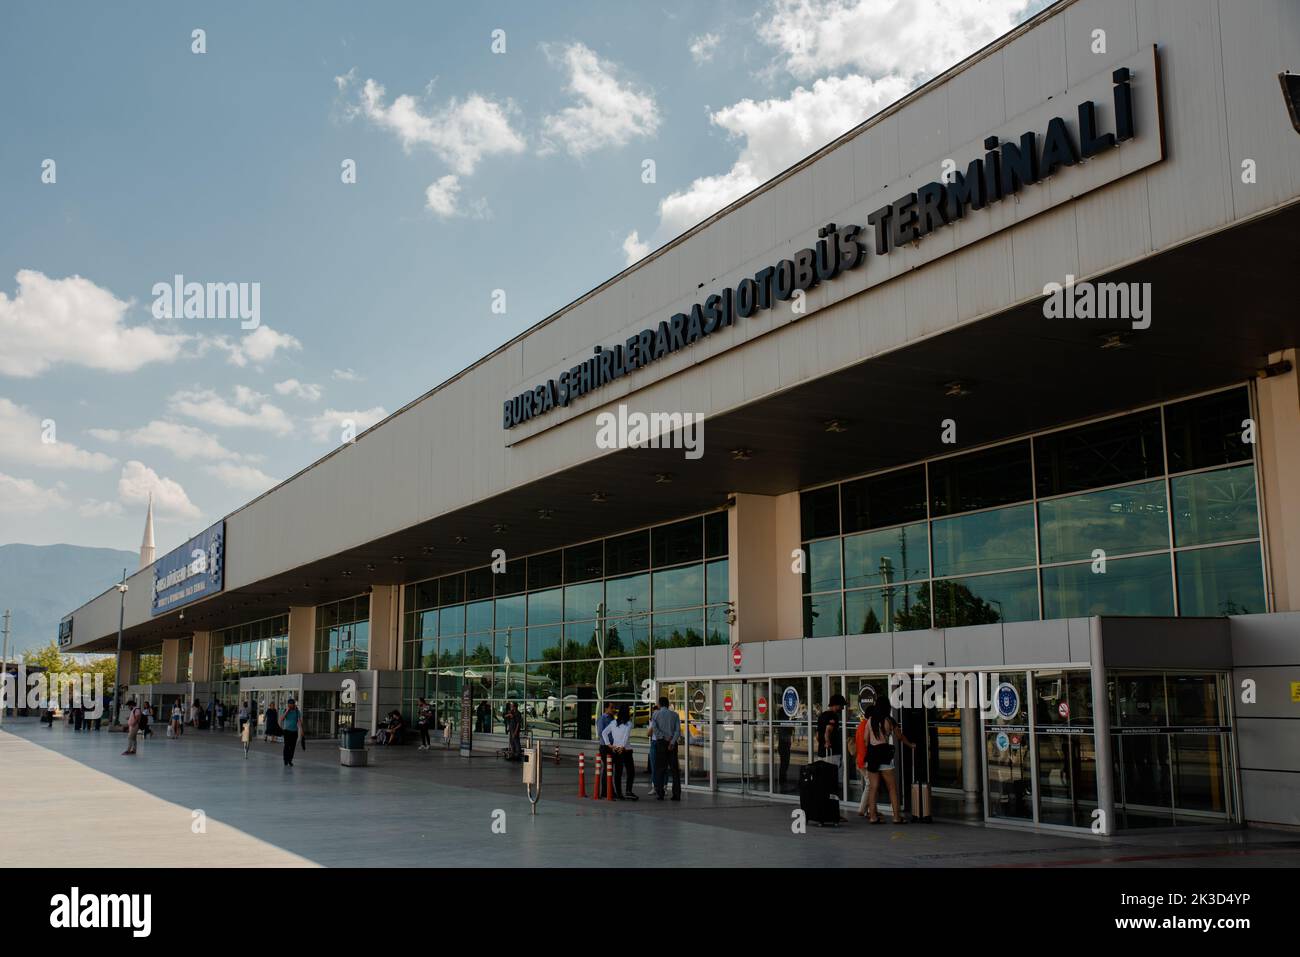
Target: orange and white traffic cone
(598, 784)
(582, 775)
(609, 779)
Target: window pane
(716, 629)
(624, 596)
(1221, 581)
(510, 644)
(1200, 778)
(631, 636)
(678, 629)
(1125, 449)
(890, 555)
(1129, 586)
(426, 595)
(581, 601)
(451, 590)
(478, 649)
(1002, 538)
(996, 476)
(718, 585)
(1207, 431)
(819, 512)
(584, 562)
(478, 616)
(677, 543)
(546, 570)
(580, 640)
(893, 608)
(545, 607)
(894, 498)
(823, 569)
(513, 579)
(715, 535)
(544, 643)
(627, 553)
(1130, 519)
(451, 620)
(1139, 700)
(1011, 596)
(1193, 699)
(678, 587)
(510, 612)
(1214, 506)
(822, 616)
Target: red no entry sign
(735, 656)
(726, 702)
(762, 706)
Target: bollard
(598, 785)
(557, 754)
(609, 779)
(582, 775)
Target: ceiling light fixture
(663, 478)
(544, 513)
(956, 389)
(741, 455)
(599, 497)
(835, 425)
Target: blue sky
(476, 170)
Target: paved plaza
(68, 797)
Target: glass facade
(343, 635)
(1153, 512)
(251, 650)
(559, 632)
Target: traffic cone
(609, 779)
(582, 775)
(598, 784)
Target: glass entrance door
(788, 706)
(731, 734)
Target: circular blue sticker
(1008, 701)
(790, 701)
(1002, 741)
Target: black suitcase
(817, 799)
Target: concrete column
(1278, 461)
(384, 620)
(1100, 730)
(762, 531)
(202, 656)
(129, 666)
(972, 744)
(171, 648)
(302, 640)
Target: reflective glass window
(984, 541)
(1118, 521)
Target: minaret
(146, 545)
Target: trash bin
(352, 739)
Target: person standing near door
(514, 728)
(666, 728)
(290, 724)
(424, 718)
(618, 737)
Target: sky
(395, 190)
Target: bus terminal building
(998, 388)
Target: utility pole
(4, 674)
(117, 669)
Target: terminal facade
(916, 469)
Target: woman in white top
(617, 736)
(176, 719)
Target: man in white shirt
(617, 736)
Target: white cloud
(913, 39)
(347, 375)
(138, 481)
(243, 477)
(106, 435)
(329, 425)
(92, 508)
(22, 441)
(608, 113)
(73, 321)
(702, 47)
(184, 441)
(776, 134)
(440, 197)
(258, 346)
(633, 249)
(248, 411)
(24, 495)
(302, 390)
(461, 132)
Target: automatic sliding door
(790, 734)
(729, 734)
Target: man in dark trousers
(666, 729)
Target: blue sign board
(790, 702)
(1008, 701)
(191, 572)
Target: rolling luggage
(920, 797)
(817, 798)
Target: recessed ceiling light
(956, 389)
(835, 425)
(461, 539)
(499, 527)
(1114, 340)
(742, 455)
(663, 478)
(544, 513)
(599, 497)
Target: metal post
(4, 675)
(118, 683)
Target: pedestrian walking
(146, 719)
(666, 728)
(177, 720)
(423, 719)
(221, 716)
(882, 731)
(514, 729)
(132, 726)
(289, 726)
